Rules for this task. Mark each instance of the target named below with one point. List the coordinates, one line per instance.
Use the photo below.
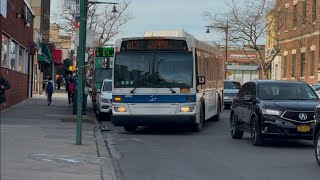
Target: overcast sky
(170, 14)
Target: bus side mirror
(201, 80)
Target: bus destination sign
(154, 44)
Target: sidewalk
(38, 142)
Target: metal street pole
(226, 51)
(80, 64)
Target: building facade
(16, 48)
(43, 63)
(272, 46)
(300, 40)
(63, 47)
(242, 64)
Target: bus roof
(177, 34)
(168, 33)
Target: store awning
(57, 56)
(45, 51)
(43, 59)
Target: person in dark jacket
(4, 85)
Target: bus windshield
(153, 69)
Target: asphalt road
(169, 153)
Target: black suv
(272, 109)
(316, 134)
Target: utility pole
(83, 4)
(226, 29)
(80, 64)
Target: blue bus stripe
(155, 98)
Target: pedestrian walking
(4, 85)
(70, 89)
(85, 97)
(59, 81)
(49, 90)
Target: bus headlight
(120, 109)
(186, 109)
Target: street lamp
(226, 30)
(114, 9)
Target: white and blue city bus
(166, 77)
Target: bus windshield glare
(147, 69)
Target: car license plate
(303, 128)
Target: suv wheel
(235, 132)
(317, 140)
(256, 135)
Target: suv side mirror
(248, 98)
(201, 80)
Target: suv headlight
(271, 112)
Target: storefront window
(13, 52)
(20, 59)
(4, 51)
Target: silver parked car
(230, 90)
(316, 88)
(104, 100)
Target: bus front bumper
(145, 120)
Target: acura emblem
(303, 116)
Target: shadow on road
(170, 129)
(285, 143)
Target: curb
(107, 169)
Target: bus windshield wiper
(164, 80)
(173, 91)
(132, 91)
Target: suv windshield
(231, 85)
(107, 86)
(153, 69)
(285, 91)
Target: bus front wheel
(199, 126)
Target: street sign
(105, 63)
(101, 62)
(104, 52)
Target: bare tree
(100, 18)
(247, 26)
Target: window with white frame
(13, 55)
(25, 60)
(312, 64)
(4, 51)
(20, 60)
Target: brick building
(242, 63)
(300, 40)
(16, 29)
